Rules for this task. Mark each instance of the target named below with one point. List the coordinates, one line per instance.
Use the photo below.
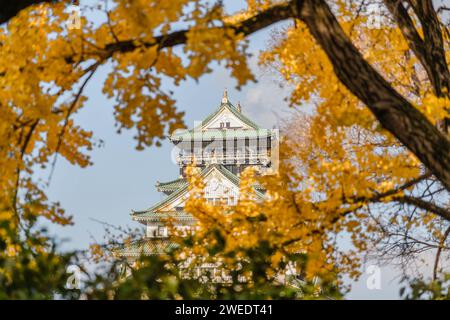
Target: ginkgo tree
(378, 135)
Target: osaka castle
(222, 146)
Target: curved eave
(161, 217)
(172, 185)
(146, 247)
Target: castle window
(162, 231)
(225, 125)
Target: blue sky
(123, 179)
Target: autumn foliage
(367, 161)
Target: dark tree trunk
(394, 112)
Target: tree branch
(412, 36)
(435, 52)
(91, 71)
(19, 170)
(439, 252)
(246, 27)
(425, 205)
(393, 111)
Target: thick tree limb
(395, 113)
(416, 43)
(434, 44)
(246, 27)
(425, 205)
(406, 199)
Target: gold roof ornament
(239, 107)
(225, 96)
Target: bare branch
(439, 251)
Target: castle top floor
(227, 122)
(226, 137)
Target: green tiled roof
(193, 133)
(171, 185)
(146, 247)
(234, 111)
(151, 214)
(174, 185)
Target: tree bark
(434, 45)
(395, 113)
(415, 41)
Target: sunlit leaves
(338, 163)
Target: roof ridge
(234, 110)
(213, 114)
(243, 117)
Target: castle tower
(222, 146)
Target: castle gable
(225, 118)
(218, 187)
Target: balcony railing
(252, 158)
